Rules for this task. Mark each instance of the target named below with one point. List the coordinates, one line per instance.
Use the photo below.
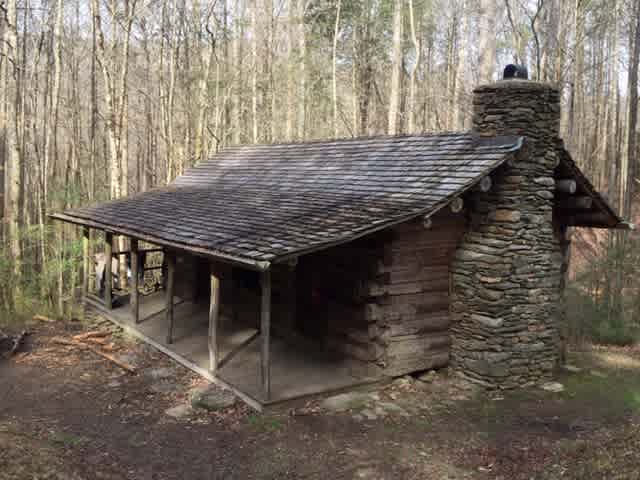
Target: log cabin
(303, 268)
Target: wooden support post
(135, 273)
(566, 186)
(108, 277)
(85, 261)
(214, 313)
(171, 276)
(265, 332)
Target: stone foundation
(506, 276)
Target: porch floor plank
(296, 371)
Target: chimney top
(515, 71)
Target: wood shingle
(259, 204)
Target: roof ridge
(468, 133)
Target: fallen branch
(42, 318)
(75, 343)
(91, 334)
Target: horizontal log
(566, 186)
(418, 274)
(588, 219)
(456, 205)
(484, 185)
(402, 366)
(364, 334)
(426, 285)
(409, 344)
(420, 303)
(418, 326)
(626, 226)
(367, 352)
(575, 203)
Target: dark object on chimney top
(515, 71)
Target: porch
(206, 334)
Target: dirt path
(66, 413)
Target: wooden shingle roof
(260, 204)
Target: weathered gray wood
(265, 331)
(566, 186)
(484, 185)
(456, 204)
(108, 277)
(86, 273)
(588, 219)
(171, 274)
(626, 226)
(420, 325)
(135, 273)
(214, 311)
(575, 203)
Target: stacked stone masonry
(507, 274)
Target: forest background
(105, 98)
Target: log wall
(384, 300)
(414, 311)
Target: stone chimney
(506, 275)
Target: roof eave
(257, 265)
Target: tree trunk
(335, 66)
(487, 43)
(396, 66)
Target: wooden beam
(214, 310)
(108, 277)
(265, 332)
(85, 261)
(134, 289)
(456, 205)
(484, 185)
(171, 276)
(626, 226)
(575, 203)
(566, 186)
(587, 219)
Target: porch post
(134, 295)
(214, 311)
(265, 332)
(85, 261)
(108, 280)
(171, 273)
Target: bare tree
(487, 44)
(396, 68)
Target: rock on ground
(346, 401)
(212, 397)
(571, 368)
(160, 373)
(554, 387)
(179, 411)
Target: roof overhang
(600, 214)
(260, 266)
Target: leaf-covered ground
(66, 413)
